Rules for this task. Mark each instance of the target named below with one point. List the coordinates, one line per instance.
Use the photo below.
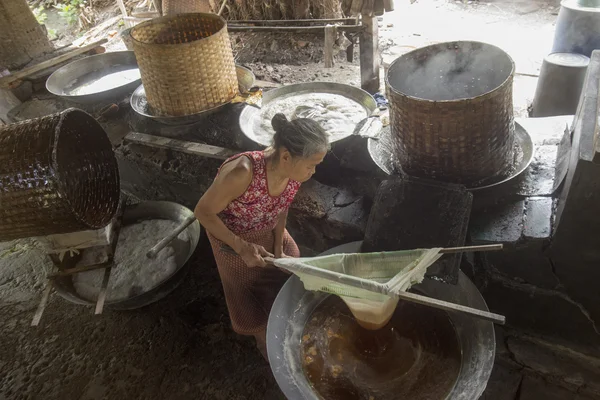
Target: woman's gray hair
(302, 137)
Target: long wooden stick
(43, 303)
(168, 239)
(7, 80)
(222, 8)
(76, 270)
(284, 22)
(103, 289)
(297, 29)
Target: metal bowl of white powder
(337, 107)
(95, 79)
(135, 279)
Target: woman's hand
(253, 254)
(279, 253)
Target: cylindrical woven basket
(58, 174)
(186, 63)
(451, 111)
(171, 7)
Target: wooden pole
(7, 80)
(330, 33)
(296, 29)
(284, 22)
(369, 55)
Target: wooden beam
(284, 22)
(296, 29)
(197, 149)
(7, 80)
(330, 34)
(369, 55)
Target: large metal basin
(294, 306)
(183, 251)
(66, 81)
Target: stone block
(538, 218)
(503, 384)
(412, 213)
(525, 263)
(498, 224)
(322, 217)
(547, 313)
(564, 366)
(534, 388)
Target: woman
(244, 212)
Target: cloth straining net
(375, 278)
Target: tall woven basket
(171, 7)
(58, 174)
(186, 63)
(451, 111)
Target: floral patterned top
(256, 209)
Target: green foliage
(40, 15)
(70, 10)
(52, 34)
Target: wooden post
(369, 54)
(330, 32)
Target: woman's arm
(278, 232)
(232, 181)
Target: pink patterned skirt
(250, 292)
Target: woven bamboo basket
(171, 7)
(186, 63)
(451, 111)
(21, 36)
(58, 174)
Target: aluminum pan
(91, 68)
(250, 113)
(380, 152)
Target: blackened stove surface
(410, 213)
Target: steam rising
(450, 71)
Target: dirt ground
(183, 347)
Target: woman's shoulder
(237, 171)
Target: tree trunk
(21, 37)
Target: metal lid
(568, 59)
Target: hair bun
(279, 122)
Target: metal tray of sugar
(95, 79)
(183, 250)
(336, 106)
(380, 150)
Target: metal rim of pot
(455, 43)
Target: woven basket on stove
(171, 7)
(451, 111)
(58, 174)
(186, 63)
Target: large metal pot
(451, 111)
(294, 306)
(183, 252)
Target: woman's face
(299, 168)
